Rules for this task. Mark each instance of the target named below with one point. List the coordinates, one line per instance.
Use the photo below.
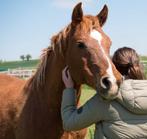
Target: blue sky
(26, 26)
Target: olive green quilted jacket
(122, 118)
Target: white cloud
(69, 3)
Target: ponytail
(128, 63)
(136, 72)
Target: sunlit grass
(87, 93)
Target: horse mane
(37, 81)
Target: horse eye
(81, 45)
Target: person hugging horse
(122, 118)
(31, 109)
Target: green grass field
(143, 58)
(16, 64)
(87, 93)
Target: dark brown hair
(128, 63)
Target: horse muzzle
(108, 88)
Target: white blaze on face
(98, 36)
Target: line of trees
(27, 57)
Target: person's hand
(67, 78)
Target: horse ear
(102, 16)
(77, 14)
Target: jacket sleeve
(76, 119)
(133, 96)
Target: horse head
(87, 53)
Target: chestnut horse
(31, 109)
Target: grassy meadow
(17, 64)
(87, 92)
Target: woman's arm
(78, 118)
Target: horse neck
(50, 86)
(42, 106)
(54, 86)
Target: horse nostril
(106, 83)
